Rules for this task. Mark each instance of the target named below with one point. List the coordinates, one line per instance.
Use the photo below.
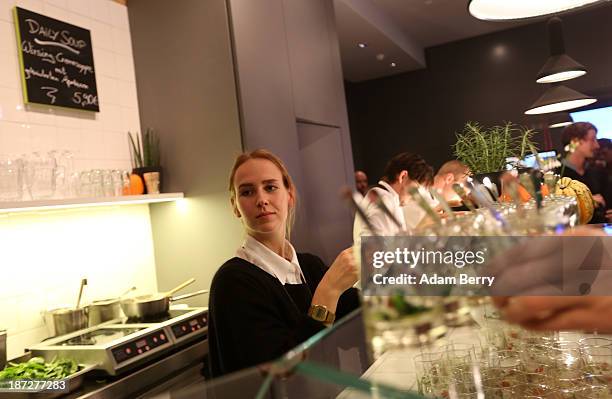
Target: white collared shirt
(383, 224)
(413, 213)
(287, 272)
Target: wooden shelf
(51, 204)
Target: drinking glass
(40, 175)
(11, 178)
(431, 373)
(117, 183)
(85, 188)
(108, 188)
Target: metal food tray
(74, 382)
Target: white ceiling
(401, 30)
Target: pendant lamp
(506, 10)
(559, 66)
(559, 119)
(559, 98)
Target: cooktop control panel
(140, 345)
(193, 326)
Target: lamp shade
(559, 119)
(559, 68)
(559, 98)
(505, 10)
(559, 65)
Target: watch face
(319, 313)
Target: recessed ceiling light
(393, 65)
(502, 10)
(362, 45)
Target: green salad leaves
(37, 369)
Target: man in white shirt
(403, 171)
(449, 173)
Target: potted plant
(486, 150)
(145, 154)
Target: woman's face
(262, 201)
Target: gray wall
(186, 91)
(489, 79)
(289, 72)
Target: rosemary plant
(485, 150)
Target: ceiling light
(362, 45)
(559, 66)
(559, 119)
(393, 65)
(503, 10)
(559, 98)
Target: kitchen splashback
(44, 256)
(98, 140)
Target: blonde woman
(269, 298)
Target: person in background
(402, 171)
(361, 183)
(603, 164)
(580, 141)
(450, 173)
(268, 298)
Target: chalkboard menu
(56, 62)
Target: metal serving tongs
(458, 188)
(491, 188)
(532, 184)
(483, 202)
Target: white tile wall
(115, 78)
(44, 256)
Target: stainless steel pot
(147, 306)
(104, 310)
(65, 320)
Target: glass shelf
(53, 204)
(331, 364)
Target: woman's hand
(340, 276)
(343, 273)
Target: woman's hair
(287, 180)
(576, 130)
(418, 170)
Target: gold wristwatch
(321, 313)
